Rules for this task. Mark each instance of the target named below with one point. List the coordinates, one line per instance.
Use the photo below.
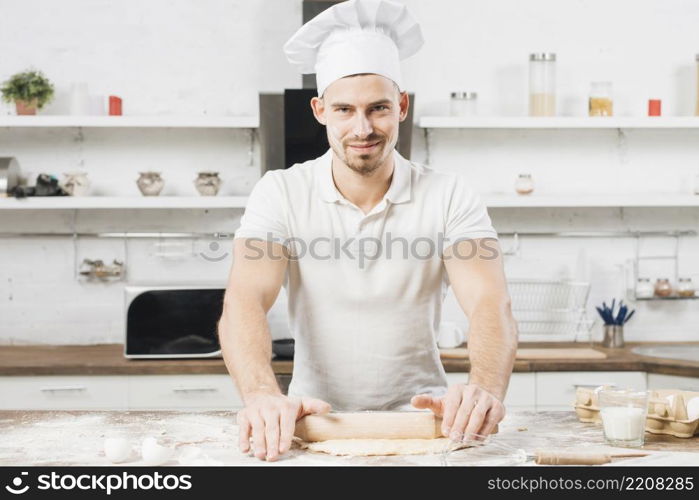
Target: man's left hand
(466, 410)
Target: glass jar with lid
(463, 104)
(663, 288)
(601, 103)
(644, 289)
(685, 287)
(542, 84)
(524, 184)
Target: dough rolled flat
(375, 447)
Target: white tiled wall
(213, 57)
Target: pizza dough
(372, 447)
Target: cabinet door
(556, 390)
(67, 392)
(521, 393)
(658, 381)
(173, 392)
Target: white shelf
(525, 122)
(590, 201)
(130, 121)
(205, 202)
(121, 202)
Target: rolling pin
(370, 425)
(578, 458)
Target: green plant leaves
(27, 86)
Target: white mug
(450, 335)
(79, 103)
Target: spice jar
(542, 84)
(644, 289)
(463, 104)
(685, 287)
(663, 287)
(655, 107)
(524, 184)
(600, 103)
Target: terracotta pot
(26, 107)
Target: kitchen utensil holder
(613, 336)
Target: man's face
(362, 114)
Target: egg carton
(670, 411)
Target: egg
(154, 453)
(693, 408)
(117, 449)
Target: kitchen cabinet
(66, 392)
(540, 391)
(556, 390)
(119, 392)
(659, 381)
(521, 393)
(174, 392)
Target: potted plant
(30, 90)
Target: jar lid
(685, 279)
(644, 279)
(542, 56)
(525, 175)
(464, 95)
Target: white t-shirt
(365, 292)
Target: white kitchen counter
(77, 438)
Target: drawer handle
(195, 389)
(67, 388)
(593, 386)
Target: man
(366, 244)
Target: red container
(114, 105)
(654, 107)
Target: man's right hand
(270, 419)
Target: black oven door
(173, 323)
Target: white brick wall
(214, 57)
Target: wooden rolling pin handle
(563, 458)
(576, 458)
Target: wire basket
(551, 310)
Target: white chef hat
(357, 36)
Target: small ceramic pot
(150, 183)
(208, 183)
(76, 183)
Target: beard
(364, 164)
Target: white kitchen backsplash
(230, 50)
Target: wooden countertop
(108, 359)
(45, 438)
